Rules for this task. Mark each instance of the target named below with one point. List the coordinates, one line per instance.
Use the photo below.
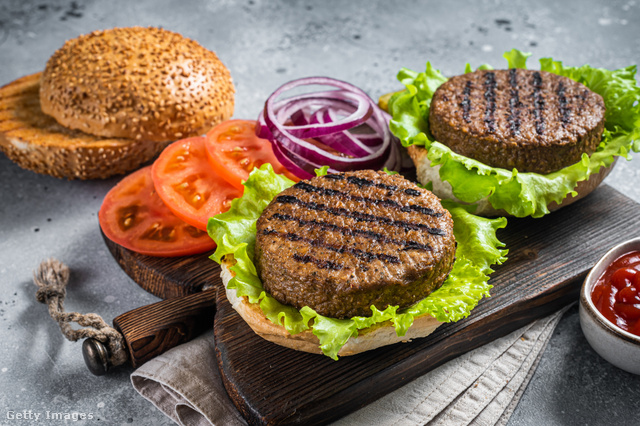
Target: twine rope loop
(52, 277)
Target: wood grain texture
(154, 329)
(167, 277)
(188, 311)
(548, 261)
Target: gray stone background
(265, 44)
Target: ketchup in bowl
(616, 294)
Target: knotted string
(52, 277)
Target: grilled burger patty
(343, 242)
(535, 121)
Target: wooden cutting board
(269, 384)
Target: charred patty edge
(501, 143)
(332, 287)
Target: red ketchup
(617, 292)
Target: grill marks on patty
(349, 195)
(515, 106)
(466, 101)
(359, 216)
(358, 237)
(348, 232)
(490, 101)
(538, 102)
(322, 264)
(378, 201)
(306, 195)
(535, 121)
(563, 106)
(366, 255)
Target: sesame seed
(136, 96)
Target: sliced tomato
(133, 216)
(188, 185)
(234, 151)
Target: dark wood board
(548, 260)
(153, 329)
(167, 277)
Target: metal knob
(96, 356)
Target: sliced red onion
(312, 130)
(290, 165)
(344, 141)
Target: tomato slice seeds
(133, 216)
(234, 150)
(163, 209)
(188, 185)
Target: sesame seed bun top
(137, 83)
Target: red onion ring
(312, 130)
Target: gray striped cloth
(481, 387)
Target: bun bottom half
(375, 337)
(35, 141)
(426, 173)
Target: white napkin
(481, 387)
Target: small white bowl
(617, 346)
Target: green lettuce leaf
(520, 194)
(235, 233)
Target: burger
(516, 142)
(347, 262)
(111, 100)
